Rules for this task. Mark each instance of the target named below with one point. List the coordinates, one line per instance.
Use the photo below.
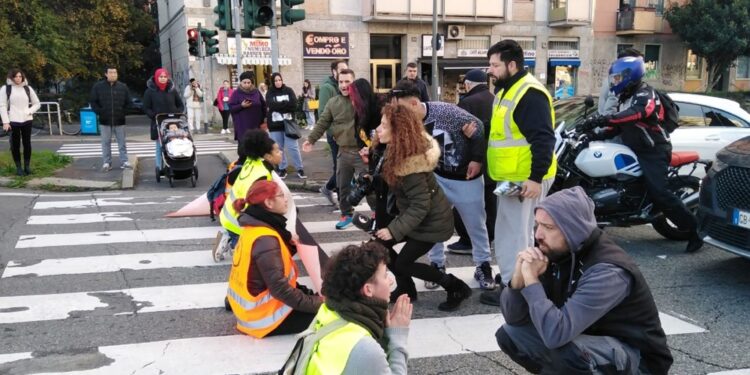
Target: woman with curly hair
(425, 215)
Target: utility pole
(274, 47)
(201, 77)
(237, 37)
(434, 51)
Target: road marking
(744, 371)
(111, 263)
(101, 217)
(83, 150)
(96, 202)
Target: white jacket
(18, 110)
(188, 95)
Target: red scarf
(162, 87)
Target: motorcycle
(610, 174)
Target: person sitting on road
(578, 303)
(263, 292)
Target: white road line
(112, 263)
(744, 371)
(3, 194)
(97, 202)
(101, 217)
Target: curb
(229, 156)
(128, 175)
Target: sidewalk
(85, 173)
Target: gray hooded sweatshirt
(600, 288)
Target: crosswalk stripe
(101, 217)
(744, 371)
(96, 202)
(82, 150)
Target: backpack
(671, 120)
(216, 193)
(25, 88)
(307, 341)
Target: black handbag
(291, 129)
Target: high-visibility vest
(251, 171)
(508, 152)
(332, 351)
(257, 315)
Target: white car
(707, 123)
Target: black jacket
(110, 101)
(638, 120)
(424, 96)
(156, 101)
(478, 101)
(283, 101)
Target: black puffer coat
(282, 101)
(110, 102)
(157, 101)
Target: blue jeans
(119, 131)
(310, 116)
(468, 198)
(291, 146)
(157, 161)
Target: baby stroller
(178, 151)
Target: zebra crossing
(104, 284)
(141, 149)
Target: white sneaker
(223, 131)
(106, 167)
(229, 131)
(220, 243)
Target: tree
(716, 30)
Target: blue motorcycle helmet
(624, 73)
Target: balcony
(570, 13)
(636, 21)
(459, 11)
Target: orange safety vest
(257, 315)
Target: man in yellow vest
(520, 154)
(353, 332)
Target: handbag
(291, 129)
(313, 104)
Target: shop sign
(251, 47)
(427, 45)
(563, 54)
(529, 54)
(473, 52)
(325, 45)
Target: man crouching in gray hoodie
(577, 303)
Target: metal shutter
(317, 70)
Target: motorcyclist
(638, 121)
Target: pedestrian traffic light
(211, 40)
(257, 13)
(193, 42)
(289, 15)
(224, 15)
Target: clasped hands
(530, 263)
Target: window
(717, 117)
(694, 66)
(743, 67)
(622, 47)
(556, 4)
(651, 57)
(691, 115)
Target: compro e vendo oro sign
(325, 45)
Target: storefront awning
(565, 62)
(529, 63)
(251, 60)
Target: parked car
(724, 204)
(136, 106)
(707, 123)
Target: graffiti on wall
(599, 72)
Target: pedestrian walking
(110, 100)
(328, 89)
(520, 152)
(222, 104)
(477, 101)
(424, 214)
(282, 104)
(354, 333)
(248, 107)
(366, 112)
(339, 116)
(410, 75)
(263, 88)
(18, 103)
(308, 93)
(263, 292)
(161, 96)
(458, 173)
(570, 307)
(193, 96)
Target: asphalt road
(708, 289)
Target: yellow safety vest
(257, 315)
(330, 354)
(251, 171)
(508, 152)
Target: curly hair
(257, 143)
(407, 139)
(350, 269)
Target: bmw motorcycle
(610, 174)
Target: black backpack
(25, 88)
(671, 120)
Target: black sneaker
(483, 275)
(694, 244)
(490, 297)
(460, 247)
(282, 173)
(301, 174)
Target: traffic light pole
(237, 38)
(201, 78)
(435, 37)
(274, 47)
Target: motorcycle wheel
(681, 186)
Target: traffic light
(224, 15)
(257, 13)
(193, 42)
(289, 15)
(210, 39)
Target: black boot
(694, 243)
(404, 285)
(19, 171)
(27, 169)
(457, 291)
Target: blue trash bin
(89, 122)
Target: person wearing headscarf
(248, 107)
(282, 103)
(161, 96)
